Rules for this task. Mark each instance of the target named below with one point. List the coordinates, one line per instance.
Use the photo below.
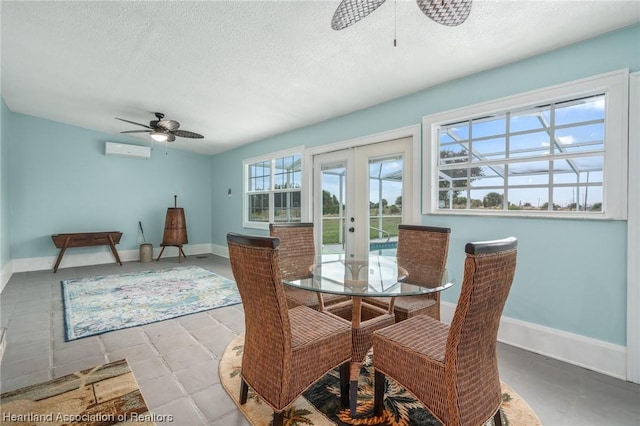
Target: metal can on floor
(146, 252)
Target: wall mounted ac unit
(126, 150)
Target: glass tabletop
(377, 275)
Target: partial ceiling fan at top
(445, 12)
(162, 130)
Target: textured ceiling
(240, 71)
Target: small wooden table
(86, 239)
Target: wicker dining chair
(453, 369)
(285, 350)
(297, 252)
(422, 252)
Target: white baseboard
(597, 355)
(3, 342)
(5, 275)
(98, 258)
(218, 250)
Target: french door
(360, 196)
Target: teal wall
(571, 274)
(61, 181)
(5, 230)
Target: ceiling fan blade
(132, 122)
(137, 131)
(351, 11)
(187, 134)
(446, 12)
(171, 137)
(168, 124)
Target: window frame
(271, 158)
(615, 87)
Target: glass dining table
(373, 276)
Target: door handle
(352, 229)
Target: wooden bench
(86, 239)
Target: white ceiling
(240, 71)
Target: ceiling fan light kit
(159, 136)
(446, 12)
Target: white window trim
(245, 178)
(614, 84)
(633, 234)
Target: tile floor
(176, 361)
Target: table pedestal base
(364, 319)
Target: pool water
(385, 249)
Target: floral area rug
(320, 404)
(98, 304)
(107, 394)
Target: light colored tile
(149, 368)
(199, 376)
(182, 411)
(31, 337)
(24, 366)
(214, 338)
(17, 352)
(77, 352)
(183, 358)
(39, 376)
(83, 364)
(133, 354)
(121, 339)
(196, 321)
(41, 315)
(33, 308)
(231, 317)
(166, 343)
(235, 418)
(223, 406)
(159, 391)
(168, 327)
(59, 343)
(622, 404)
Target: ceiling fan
(445, 12)
(162, 130)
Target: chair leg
(344, 384)
(244, 391)
(497, 418)
(278, 418)
(378, 393)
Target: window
(273, 189)
(557, 152)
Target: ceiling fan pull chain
(395, 23)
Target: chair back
(267, 347)
(422, 251)
(297, 249)
(471, 367)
